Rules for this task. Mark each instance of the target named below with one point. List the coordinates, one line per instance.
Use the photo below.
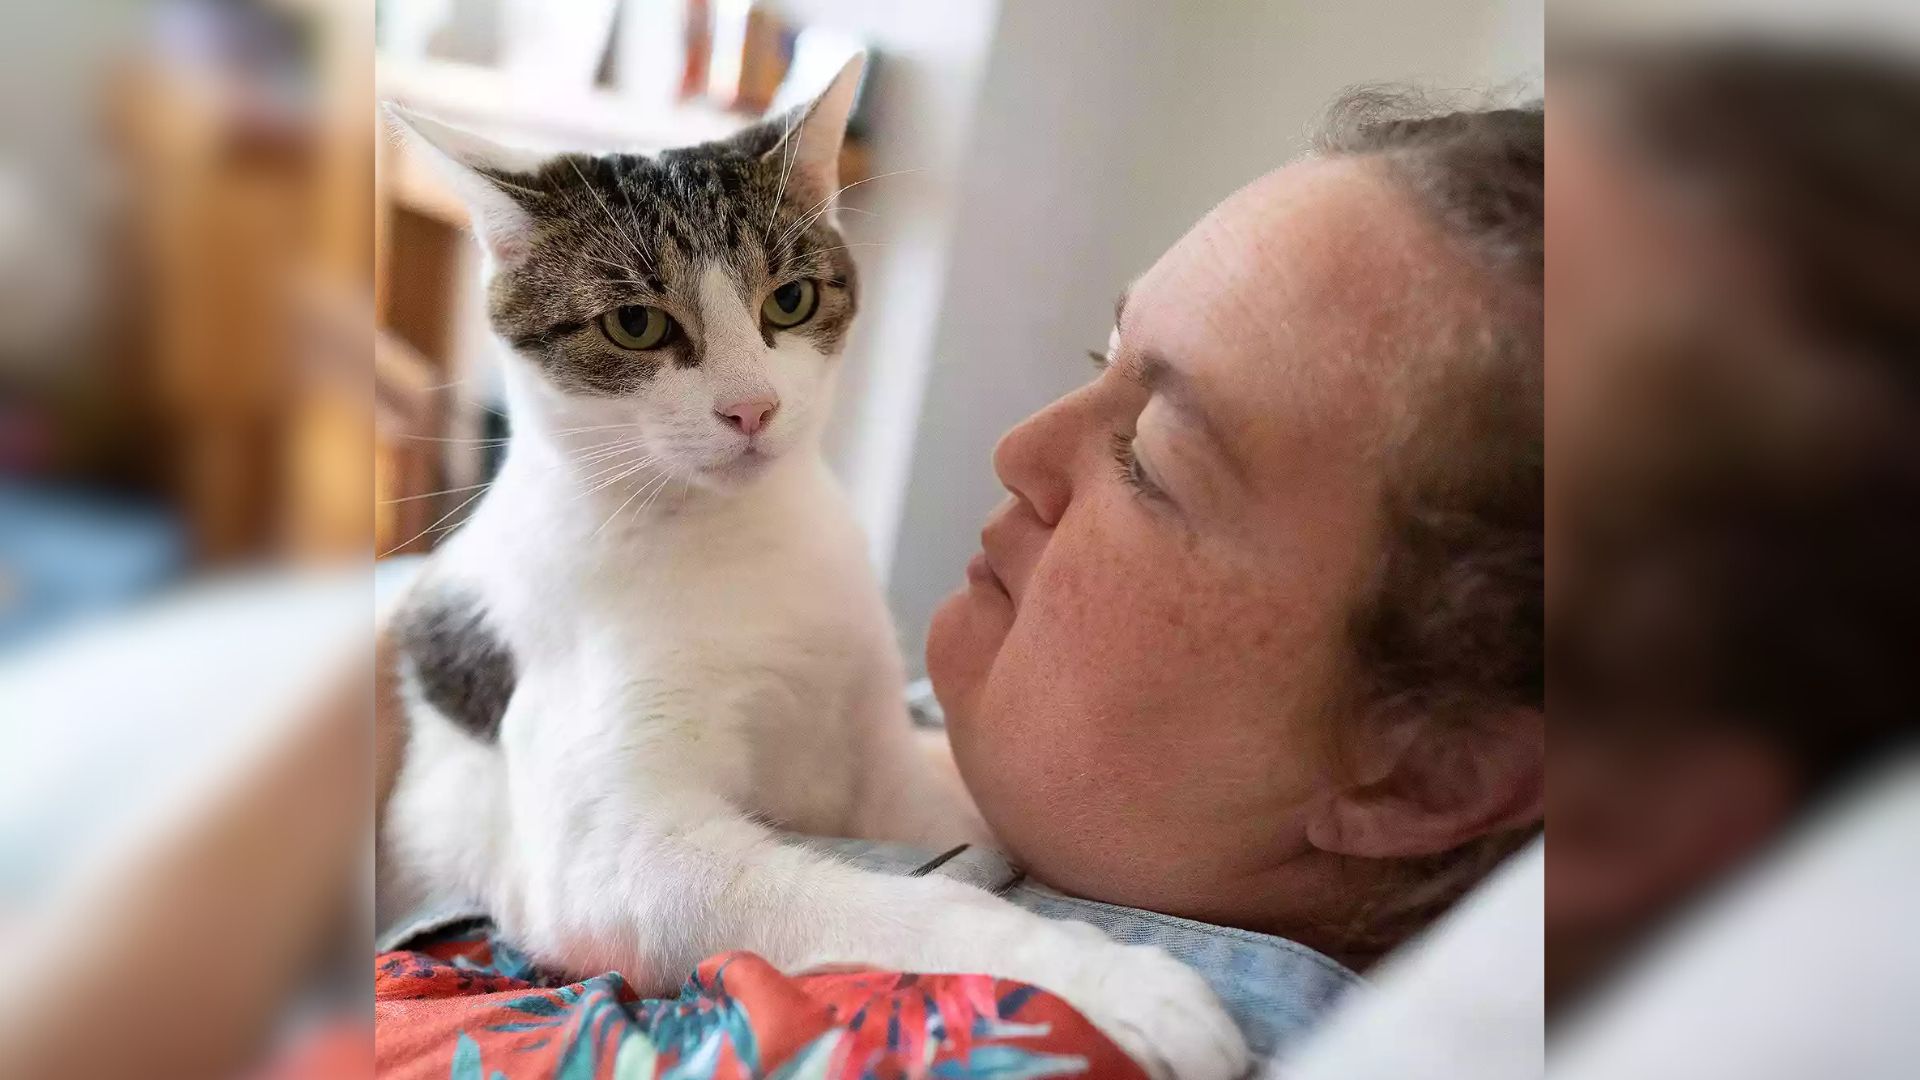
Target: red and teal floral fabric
(468, 1007)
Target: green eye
(791, 304)
(636, 326)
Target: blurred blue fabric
(67, 552)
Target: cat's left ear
(481, 172)
(805, 141)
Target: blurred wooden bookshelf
(250, 253)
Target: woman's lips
(980, 572)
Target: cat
(657, 639)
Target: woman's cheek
(961, 652)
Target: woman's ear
(480, 172)
(1426, 786)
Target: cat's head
(690, 302)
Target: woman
(1255, 638)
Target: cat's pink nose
(748, 416)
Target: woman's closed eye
(1121, 447)
(1130, 470)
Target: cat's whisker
(824, 206)
(626, 450)
(589, 460)
(615, 242)
(453, 384)
(591, 455)
(471, 400)
(609, 263)
(443, 519)
(594, 481)
(633, 219)
(590, 427)
(848, 247)
(451, 440)
(622, 506)
(431, 494)
(613, 439)
(448, 527)
(667, 479)
(650, 499)
(786, 141)
(611, 220)
(586, 455)
(576, 449)
(607, 485)
(603, 453)
(599, 459)
(624, 470)
(616, 438)
(605, 462)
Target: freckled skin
(1146, 720)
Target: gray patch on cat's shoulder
(460, 665)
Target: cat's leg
(909, 789)
(652, 878)
(443, 826)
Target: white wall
(1103, 131)
(924, 87)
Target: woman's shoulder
(1275, 989)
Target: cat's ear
(806, 140)
(481, 172)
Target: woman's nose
(1034, 460)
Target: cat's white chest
(742, 646)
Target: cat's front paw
(1157, 1009)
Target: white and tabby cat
(657, 640)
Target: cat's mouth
(747, 463)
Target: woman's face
(1138, 672)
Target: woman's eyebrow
(1157, 376)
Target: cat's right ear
(481, 172)
(804, 142)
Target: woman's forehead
(1291, 299)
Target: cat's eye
(791, 304)
(636, 326)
